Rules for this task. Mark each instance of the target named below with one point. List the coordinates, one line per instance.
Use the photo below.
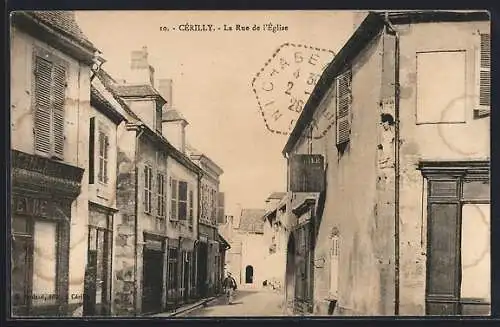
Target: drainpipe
(396, 164)
(136, 242)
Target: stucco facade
(377, 266)
(54, 154)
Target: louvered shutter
(58, 99)
(484, 78)
(42, 115)
(106, 150)
(91, 150)
(343, 85)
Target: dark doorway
(97, 281)
(185, 270)
(290, 273)
(202, 269)
(152, 281)
(249, 275)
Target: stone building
(51, 62)
(248, 251)
(209, 258)
(156, 224)
(399, 125)
(276, 240)
(106, 114)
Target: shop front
(42, 194)
(99, 261)
(152, 281)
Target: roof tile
(251, 220)
(65, 23)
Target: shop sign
(307, 173)
(156, 245)
(36, 207)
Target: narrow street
(247, 302)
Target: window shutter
(221, 203)
(191, 206)
(106, 149)
(100, 173)
(484, 78)
(343, 127)
(91, 150)
(59, 96)
(42, 119)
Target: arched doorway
(290, 273)
(249, 274)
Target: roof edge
(365, 32)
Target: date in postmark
(285, 83)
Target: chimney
(140, 70)
(165, 90)
(173, 128)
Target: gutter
(396, 165)
(136, 243)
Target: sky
(212, 75)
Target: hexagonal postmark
(285, 83)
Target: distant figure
(229, 285)
(264, 283)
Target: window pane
(101, 144)
(19, 225)
(106, 146)
(92, 239)
(44, 263)
(476, 251)
(182, 210)
(173, 208)
(174, 189)
(183, 191)
(19, 270)
(443, 188)
(474, 190)
(442, 252)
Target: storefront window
(44, 263)
(476, 251)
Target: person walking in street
(229, 285)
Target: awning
(305, 204)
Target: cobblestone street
(246, 302)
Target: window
(343, 105)
(102, 174)
(183, 190)
(458, 247)
(36, 259)
(436, 103)
(484, 76)
(174, 199)
(161, 199)
(173, 266)
(49, 100)
(179, 200)
(213, 204)
(148, 188)
(91, 150)
(191, 206)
